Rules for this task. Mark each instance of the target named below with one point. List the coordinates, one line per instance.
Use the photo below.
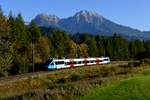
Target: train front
(50, 65)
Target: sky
(133, 13)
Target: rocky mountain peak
(88, 16)
(46, 20)
(86, 13)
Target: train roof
(78, 59)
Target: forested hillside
(21, 44)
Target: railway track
(15, 78)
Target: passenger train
(68, 63)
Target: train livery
(68, 63)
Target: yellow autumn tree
(72, 49)
(42, 50)
(83, 50)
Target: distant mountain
(45, 20)
(89, 22)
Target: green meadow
(134, 88)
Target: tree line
(18, 40)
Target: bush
(3, 73)
(131, 64)
(62, 80)
(146, 72)
(75, 77)
(145, 61)
(108, 71)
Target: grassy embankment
(135, 88)
(69, 84)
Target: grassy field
(135, 88)
(79, 83)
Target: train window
(74, 62)
(92, 61)
(98, 61)
(105, 60)
(79, 62)
(68, 63)
(59, 62)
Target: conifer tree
(5, 46)
(120, 47)
(35, 32)
(22, 34)
(100, 46)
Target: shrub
(3, 73)
(131, 64)
(145, 61)
(62, 80)
(107, 72)
(75, 77)
(146, 72)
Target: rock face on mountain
(46, 20)
(89, 22)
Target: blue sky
(133, 13)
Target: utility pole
(33, 57)
(32, 52)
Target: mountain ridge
(89, 22)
